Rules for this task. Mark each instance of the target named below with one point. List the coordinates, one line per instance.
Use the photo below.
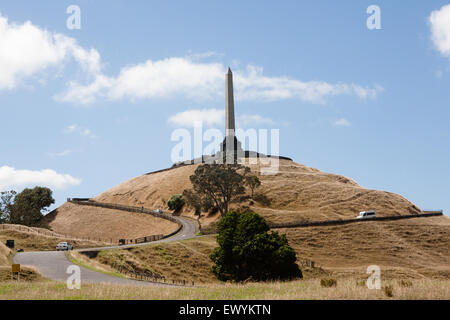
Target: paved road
(53, 264)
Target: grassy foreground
(302, 289)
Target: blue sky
(97, 105)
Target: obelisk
(230, 145)
(230, 125)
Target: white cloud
(189, 79)
(254, 85)
(74, 128)
(11, 178)
(440, 29)
(27, 50)
(342, 123)
(189, 118)
(153, 79)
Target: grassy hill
(105, 224)
(295, 193)
(37, 239)
(4, 253)
(412, 249)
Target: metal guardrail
(346, 221)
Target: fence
(307, 263)
(141, 275)
(90, 202)
(49, 233)
(144, 277)
(346, 221)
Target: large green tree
(247, 251)
(6, 202)
(29, 204)
(219, 184)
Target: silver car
(64, 246)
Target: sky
(84, 109)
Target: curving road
(53, 264)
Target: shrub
(405, 283)
(361, 283)
(263, 199)
(176, 202)
(388, 291)
(246, 250)
(328, 282)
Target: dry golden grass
(105, 224)
(4, 253)
(30, 241)
(22, 228)
(413, 248)
(416, 248)
(295, 193)
(181, 260)
(302, 289)
(27, 274)
(82, 260)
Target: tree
(176, 202)
(247, 251)
(218, 184)
(29, 204)
(253, 182)
(198, 203)
(6, 202)
(193, 200)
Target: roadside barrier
(301, 224)
(48, 233)
(155, 279)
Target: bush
(388, 291)
(405, 283)
(262, 199)
(247, 251)
(176, 202)
(328, 282)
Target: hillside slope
(295, 193)
(105, 224)
(4, 253)
(36, 239)
(414, 248)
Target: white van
(366, 215)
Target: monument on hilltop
(231, 146)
